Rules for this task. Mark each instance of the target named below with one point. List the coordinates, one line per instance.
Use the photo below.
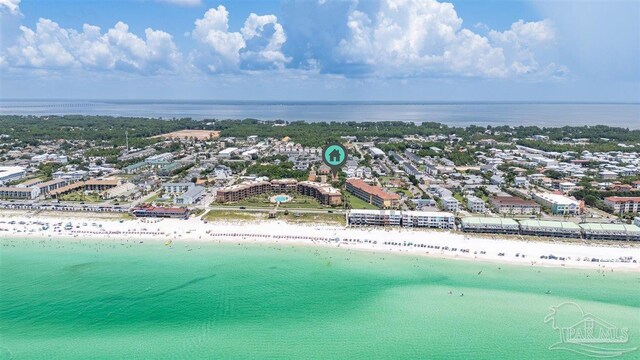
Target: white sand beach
(418, 242)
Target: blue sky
(408, 50)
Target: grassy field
(406, 192)
(357, 203)
(214, 215)
(334, 219)
(262, 201)
(291, 216)
(80, 196)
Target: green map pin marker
(334, 156)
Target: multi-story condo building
(324, 193)
(475, 204)
(372, 194)
(559, 204)
(623, 204)
(177, 188)
(451, 204)
(243, 190)
(514, 205)
(14, 192)
(430, 219)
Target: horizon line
(276, 101)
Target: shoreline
(401, 241)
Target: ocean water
(122, 299)
(454, 114)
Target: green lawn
(292, 216)
(334, 219)
(357, 203)
(80, 196)
(214, 215)
(406, 192)
(262, 201)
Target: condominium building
(324, 193)
(559, 204)
(51, 185)
(550, 228)
(514, 205)
(11, 173)
(284, 185)
(610, 231)
(623, 204)
(372, 194)
(177, 188)
(429, 219)
(161, 212)
(475, 204)
(489, 225)
(243, 190)
(451, 204)
(191, 196)
(14, 192)
(374, 217)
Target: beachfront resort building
(177, 188)
(428, 219)
(562, 229)
(623, 204)
(489, 225)
(96, 185)
(372, 194)
(514, 205)
(161, 212)
(475, 204)
(366, 217)
(451, 204)
(559, 204)
(324, 193)
(14, 192)
(598, 231)
(11, 173)
(191, 196)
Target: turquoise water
(281, 198)
(82, 299)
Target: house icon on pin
(334, 156)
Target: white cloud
(257, 45)
(10, 6)
(221, 47)
(525, 33)
(183, 2)
(426, 37)
(50, 46)
(521, 43)
(255, 27)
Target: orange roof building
(372, 194)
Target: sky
(364, 50)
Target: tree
(590, 200)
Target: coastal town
(483, 181)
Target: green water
(82, 300)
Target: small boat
(168, 242)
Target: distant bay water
(451, 113)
